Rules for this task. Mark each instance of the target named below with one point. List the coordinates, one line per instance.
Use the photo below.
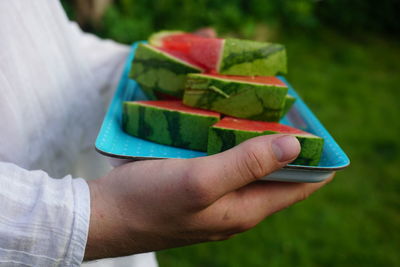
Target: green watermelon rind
(264, 102)
(168, 127)
(221, 139)
(251, 58)
(155, 70)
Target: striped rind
(155, 70)
(221, 139)
(168, 127)
(268, 80)
(235, 98)
(245, 57)
(311, 150)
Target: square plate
(113, 142)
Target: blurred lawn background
(344, 60)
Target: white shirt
(53, 86)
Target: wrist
(106, 228)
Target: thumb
(243, 164)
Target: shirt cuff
(76, 250)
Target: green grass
(353, 86)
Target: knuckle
(253, 162)
(196, 189)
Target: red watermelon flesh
(201, 51)
(178, 106)
(181, 56)
(258, 126)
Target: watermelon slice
(258, 98)
(169, 123)
(202, 51)
(225, 56)
(231, 131)
(160, 73)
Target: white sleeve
(43, 221)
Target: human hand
(158, 204)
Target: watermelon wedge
(168, 123)
(257, 98)
(225, 56)
(202, 51)
(230, 132)
(160, 73)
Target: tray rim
(294, 167)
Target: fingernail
(285, 148)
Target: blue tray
(113, 142)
